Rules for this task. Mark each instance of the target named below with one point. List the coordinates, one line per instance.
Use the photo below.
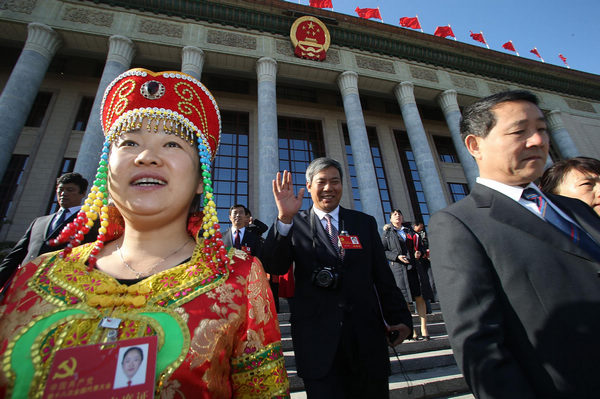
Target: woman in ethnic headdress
(154, 270)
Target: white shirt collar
(334, 214)
(513, 192)
(241, 230)
(72, 210)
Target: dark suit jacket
(394, 246)
(35, 242)
(318, 313)
(521, 301)
(257, 227)
(249, 240)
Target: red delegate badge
(350, 242)
(120, 369)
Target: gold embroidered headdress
(185, 108)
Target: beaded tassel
(96, 205)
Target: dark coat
(319, 313)
(520, 300)
(35, 242)
(249, 239)
(394, 247)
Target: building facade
(385, 101)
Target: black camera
(326, 277)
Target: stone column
(447, 100)
(432, 186)
(23, 85)
(120, 54)
(192, 61)
(268, 143)
(361, 150)
(560, 136)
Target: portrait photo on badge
(131, 366)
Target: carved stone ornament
(87, 16)
(374, 64)
(423, 74)
(310, 38)
(161, 28)
(462, 82)
(496, 88)
(580, 105)
(24, 6)
(231, 39)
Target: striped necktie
(333, 236)
(574, 232)
(237, 244)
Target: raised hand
(288, 204)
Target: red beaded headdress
(184, 107)
(183, 103)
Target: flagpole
(485, 41)
(453, 32)
(514, 48)
(380, 14)
(541, 58)
(416, 15)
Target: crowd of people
(516, 265)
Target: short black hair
(395, 210)
(555, 174)
(237, 206)
(75, 178)
(478, 118)
(247, 211)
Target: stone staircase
(429, 365)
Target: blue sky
(568, 27)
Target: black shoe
(426, 337)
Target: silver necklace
(149, 272)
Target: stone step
(436, 317)
(407, 364)
(436, 329)
(438, 383)
(284, 309)
(438, 341)
(432, 383)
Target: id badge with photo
(119, 369)
(350, 242)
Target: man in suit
(520, 297)
(255, 225)
(344, 295)
(70, 191)
(238, 236)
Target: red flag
(535, 51)
(478, 37)
(509, 46)
(407, 22)
(443, 31)
(564, 59)
(368, 13)
(321, 3)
